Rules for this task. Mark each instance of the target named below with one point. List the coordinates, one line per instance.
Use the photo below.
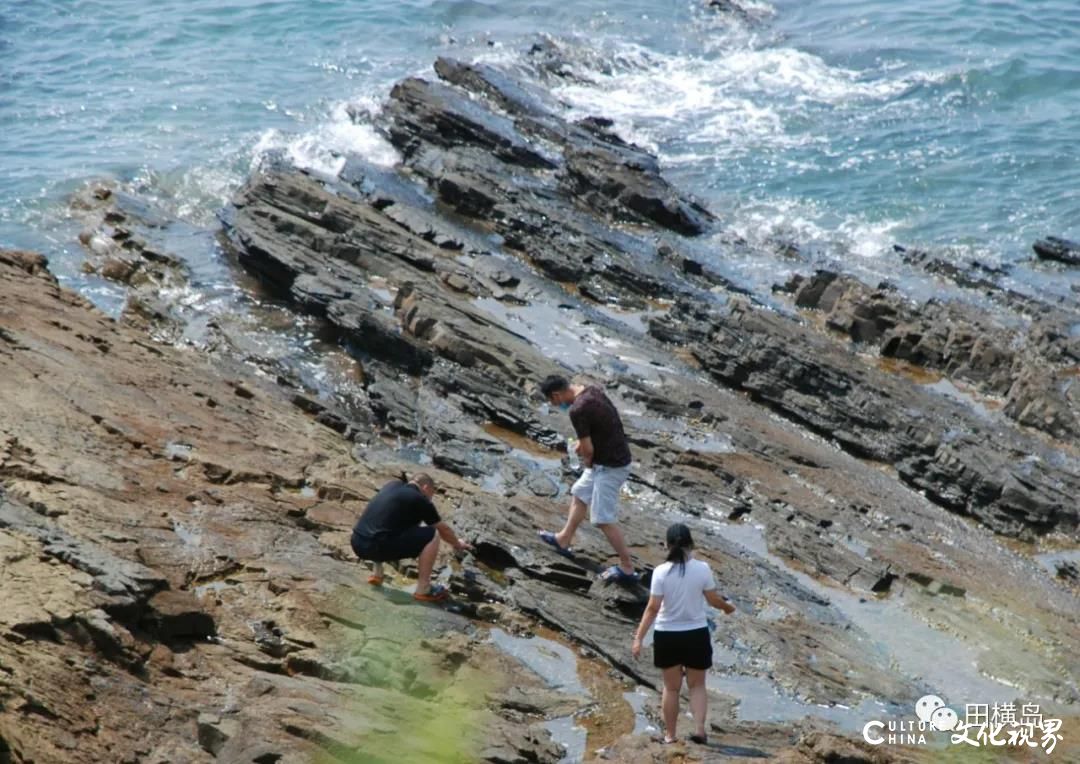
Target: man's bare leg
(574, 518)
(615, 538)
(425, 563)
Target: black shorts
(692, 649)
(408, 543)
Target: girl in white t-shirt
(681, 641)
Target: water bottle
(571, 450)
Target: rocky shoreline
(884, 486)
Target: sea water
(842, 126)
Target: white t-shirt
(683, 606)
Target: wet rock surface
(961, 460)
(1058, 249)
(183, 584)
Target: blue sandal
(549, 538)
(618, 575)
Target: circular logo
(944, 719)
(927, 705)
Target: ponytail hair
(679, 543)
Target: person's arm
(446, 533)
(647, 618)
(717, 601)
(585, 451)
(581, 419)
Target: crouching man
(401, 522)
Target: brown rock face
(165, 598)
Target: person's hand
(635, 649)
(465, 546)
(727, 607)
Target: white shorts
(599, 487)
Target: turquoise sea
(846, 125)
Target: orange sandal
(375, 580)
(435, 593)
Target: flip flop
(549, 538)
(375, 580)
(700, 739)
(618, 575)
(435, 593)
(665, 740)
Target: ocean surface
(844, 125)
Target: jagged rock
(508, 746)
(1060, 250)
(548, 56)
(118, 230)
(965, 463)
(959, 341)
(538, 214)
(215, 731)
(730, 7)
(429, 112)
(127, 585)
(178, 615)
(1046, 402)
(828, 748)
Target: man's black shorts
(408, 543)
(692, 649)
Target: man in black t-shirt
(605, 453)
(390, 529)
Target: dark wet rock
(1058, 249)
(729, 7)
(939, 446)
(1067, 571)
(549, 58)
(326, 263)
(601, 179)
(566, 594)
(509, 94)
(395, 407)
(544, 214)
(971, 275)
(427, 112)
(1031, 370)
(119, 233)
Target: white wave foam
(740, 97)
(787, 72)
(805, 222)
(325, 148)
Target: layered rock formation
(175, 523)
